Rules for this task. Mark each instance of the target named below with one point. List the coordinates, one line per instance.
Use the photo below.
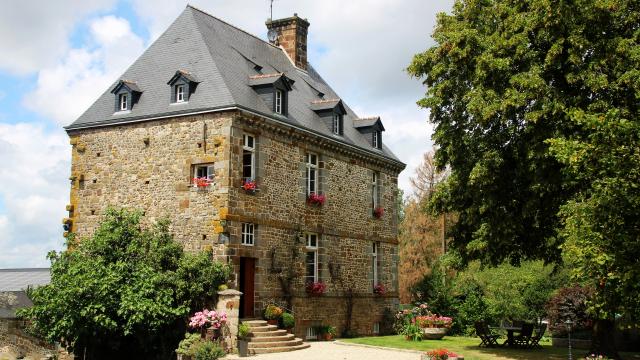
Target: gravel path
(324, 350)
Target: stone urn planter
(434, 333)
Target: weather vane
(271, 9)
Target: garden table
(510, 330)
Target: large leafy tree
(123, 293)
(536, 106)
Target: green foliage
(412, 332)
(187, 345)
(272, 312)
(126, 290)
(243, 330)
(288, 321)
(327, 329)
(209, 350)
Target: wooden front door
(247, 281)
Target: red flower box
(316, 199)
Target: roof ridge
(231, 25)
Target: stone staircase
(264, 338)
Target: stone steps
(264, 338)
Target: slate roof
(20, 279)
(10, 301)
(223, 58)
(368, 122)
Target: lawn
(468, 347)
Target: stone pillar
(229, 302)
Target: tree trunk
(603, 339)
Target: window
(311, 272)
(337, 124)
(377, 139)
(203, 171)
(312, 173)
(374, 262)
(124, 102)
(279, 96)
(311, 333)
(374, 190)
(248, 234)
(248, 158)
(376, 328)
(179, 93)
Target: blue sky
(57, 63)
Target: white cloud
(35, 33)
(68, 88)
(34, 189)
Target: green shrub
(272, 312)
(187, 345)
(209, 350)
(243, 330)
(288, 321)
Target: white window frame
(180, 93)
(248, 237)
(312, 246)
(336, 123)
(374, 261)
(376, 139)
(123, 100)
(311, 333)
(374, 190)
(210, 171)
(312, 166)
(278, 105)
(248, 147)
(376, 328)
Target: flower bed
(441, 354)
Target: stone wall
(16, 342)
(148, 166)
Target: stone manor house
(249, 153)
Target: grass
(468, 347)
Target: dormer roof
(328, 104)
(369, 122)
(184, 75)
(268, 79)
(131, 86)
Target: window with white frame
(337, 124)
(248, 158)
(377, 139)
(279, 97)
(374, 190)
(374, 262)
(311, 333)
(248, 234)
(312, 173)
(179, 93)
(203, 171)
(376, 328)
(124, 102)
(311, 271)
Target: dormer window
(337, 124)
(127, 93)
(183, 85)
(278, 103)
(377, 139)
(124, 101)
(180, 93)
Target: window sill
(122, 112)
(178, 103)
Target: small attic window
(180, 93)
(127, 93)
(273, 89)
(124, 101)
(337, 123)
(183, 85)
(377, 139)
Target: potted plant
(316, 199)
(412, 332)
(272, 313)
(327, 332)
(379, 290)
(243, 343)
(434, 327)
(316, 288)
(378, 212)
(288, 321)
(250, 187)
(208, 322)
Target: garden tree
(507, 80)
(125, 292)
(421, 235)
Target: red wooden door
(247, 281)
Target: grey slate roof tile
(20, 279)
(223, 58)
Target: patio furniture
(488, 338)
(524, 338)
(510, 331)
(537, 335)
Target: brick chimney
(292, 36)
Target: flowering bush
(272, 312)
(596, 357)
(379, 289)
(316, 199)
(206, 319)
(378, 212)
(201, 182)
(250, 186)
(431, 321)
(441, 354)
(316, 288)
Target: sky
(59, 56)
